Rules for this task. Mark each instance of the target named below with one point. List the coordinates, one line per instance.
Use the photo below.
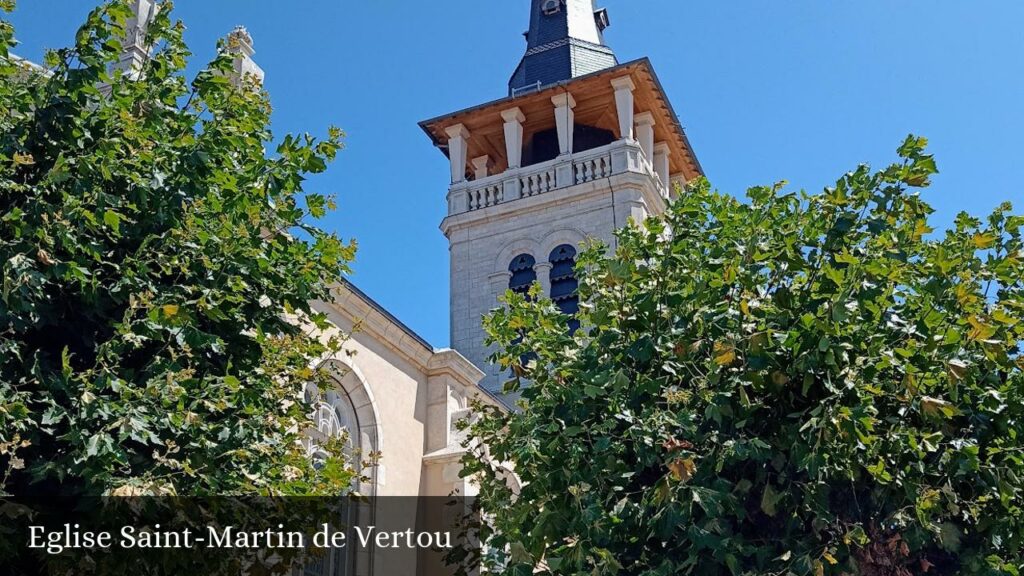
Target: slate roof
(565, 41)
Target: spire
(565, 41)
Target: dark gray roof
(565, 41)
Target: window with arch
(523, 274)
(334, 416)
(564, 286)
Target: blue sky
(801, 90)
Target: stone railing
(593, 168)
(588, 166)
(485, 196)
(534, 183)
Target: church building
(579, 145)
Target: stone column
(543, 270)
(624, 105)
(661, 166)
(458, 140)
(514, 136)
(645, 134)
(565, 120)
(514, 119)
(482, 166)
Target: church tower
(581, 145)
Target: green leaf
(112, 220)
(950, 537)
(52, 415)
(984, 241)
(65, 363)
(733, 564)
(92, 446)
(770, 500)
(518, 554)
(879, 472)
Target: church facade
(579, 146)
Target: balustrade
(530, 181)
(538, 183)
(590, 169)
(486, 196)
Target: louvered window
(523, 274)
(564, 287)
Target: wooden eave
(595, 106)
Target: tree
(157, 272)
(795, 384)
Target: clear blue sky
(801, 90)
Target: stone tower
(581, 145)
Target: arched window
(334, 416)
(523, 274)
(564, 286)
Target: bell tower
(579, 147)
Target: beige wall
(406, 397)
(397, 389)
(412, 395)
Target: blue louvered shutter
(564, 286)
(523, 274)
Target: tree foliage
(795, 384)
(155, 263)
